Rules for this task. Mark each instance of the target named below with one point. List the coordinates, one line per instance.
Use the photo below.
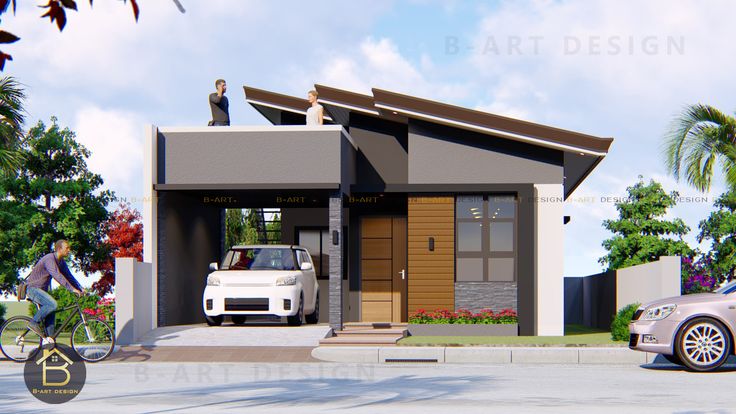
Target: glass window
(469, 270)
(469, 237)
(502, 236)
(311, 240)
(501, 207)
(485, 234)
(260, 259)
(501, 269)
(469, 207)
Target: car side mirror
(213, 266)
(306, 266)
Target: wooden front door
(383, 269)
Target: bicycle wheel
(93, 340)
(17, 342)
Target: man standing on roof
(315, 112)
(39, 281)
(219, 105)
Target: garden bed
(463, 329)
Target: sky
(619, 69)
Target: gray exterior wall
(445, 155)
(188, 240)
(279, 155)
(496, 296)
(382, 156)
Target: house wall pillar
(550, 282)
(335, 252)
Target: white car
(262, 280)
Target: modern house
(404, 203)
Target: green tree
(720, 229)
(234, 227)
(12, 117)
(641, 235)
(699, 137)
(52, 196)
(273, 229)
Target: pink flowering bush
(104, 311)
(464, 316)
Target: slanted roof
(392, 103)
(339, 103)
(582, 152)
(271, 104)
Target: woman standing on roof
(315, 112)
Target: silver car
(696, 331)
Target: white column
(150, 213)
(548, 268)
(124, 300)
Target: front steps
(367, 334)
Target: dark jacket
(49, 267)
(220, 109)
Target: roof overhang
(582, 152)
(271, 104)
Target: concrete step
(373, 332)
(349, 326)
(361, 340)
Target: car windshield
(727, 288)
(266, 258)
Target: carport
(194, 174)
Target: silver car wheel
(704, 343)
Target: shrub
(66, 298)
(2, 313)
(697, 275)
(463, 316)
(620, 324)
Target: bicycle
(92, 339)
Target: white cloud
(115, 139)
(379, 63)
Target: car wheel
(674, 359)
(296, 320)
(238, 319)
(314, 316)
(214, 320)
(703, 344)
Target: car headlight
(213, 280)
(286, 281)
(658, 313)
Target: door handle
(403, 274)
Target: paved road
(325, 387)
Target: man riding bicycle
(38, 282)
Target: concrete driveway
(256, 334)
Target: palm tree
(699, 137)
(12, 117)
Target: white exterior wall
(133, 299)
(150, 214)
(648, 282)
(548, 267)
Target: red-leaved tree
(123, 238)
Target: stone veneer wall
(475, 296)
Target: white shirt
(313, 114)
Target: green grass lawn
(15, 308)
(575, 335)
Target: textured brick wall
(336, 317)
(481, 295)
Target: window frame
(485, 252)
